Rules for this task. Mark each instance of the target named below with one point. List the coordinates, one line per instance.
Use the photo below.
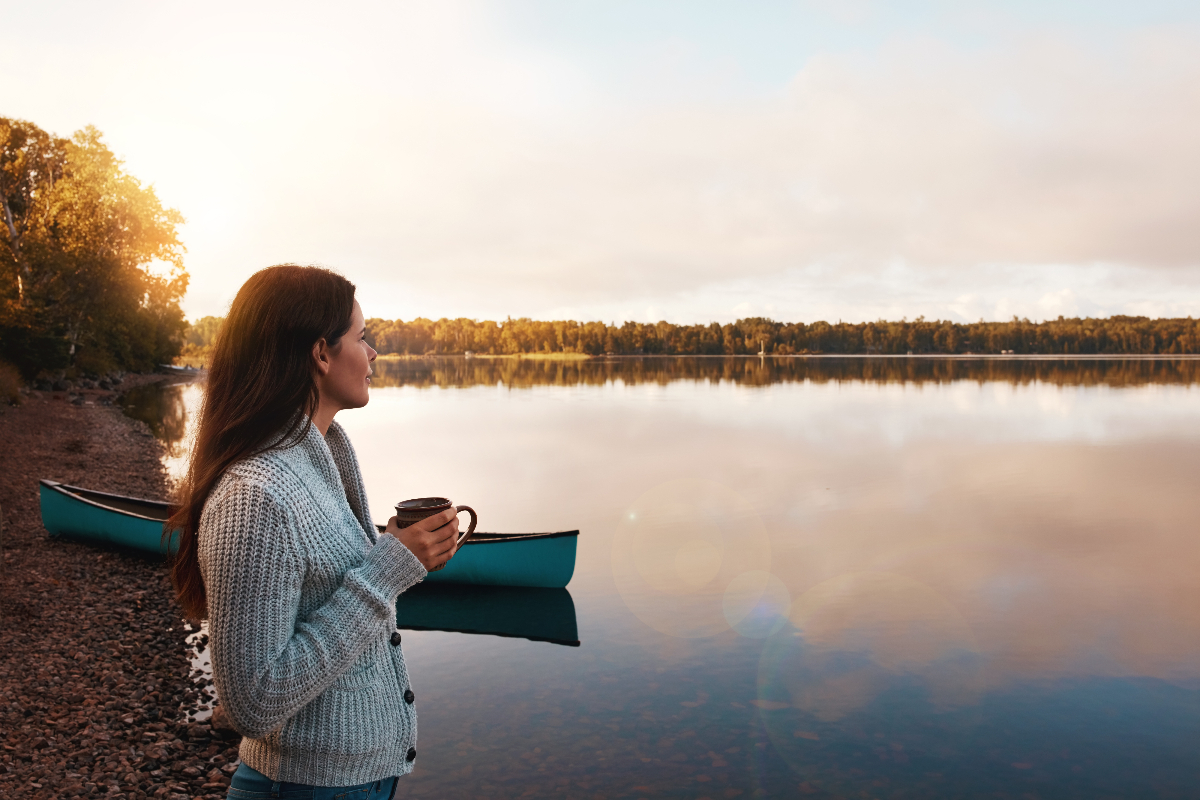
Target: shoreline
(491, 357)
(803, 356)
(95, 672)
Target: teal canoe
(545, 560)
(102, 517)
(542, 560)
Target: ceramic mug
(419, 508)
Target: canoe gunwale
(503, 538)
(73, 493)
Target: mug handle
(470, 528)
(462, 537)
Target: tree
(81, 237)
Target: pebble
(95, 679)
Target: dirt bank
(94, 670)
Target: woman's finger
(434, 521)
(447, 517)
(439, 539)
(449, 530)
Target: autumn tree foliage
(91, 266)
(1119, 335)
(198, 341)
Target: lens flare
(756, 604)
(677, 550)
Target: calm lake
(844, 577)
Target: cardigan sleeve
(268, 663)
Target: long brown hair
(261, 392)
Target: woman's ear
(320, 356)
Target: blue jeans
(250, 784)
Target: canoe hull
(546, 562)
(65, 514)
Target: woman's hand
(432, 540)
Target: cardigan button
(395, 640)
(411, 756)
(409, 696)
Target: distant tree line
(198, 340)
(1120, 335)
(1113, 336)
(91, 266)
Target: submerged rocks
(94, 673)
(103, 391)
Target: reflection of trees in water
(522, 373)
(161, 406)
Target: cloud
(1045, 154)
(449, 170)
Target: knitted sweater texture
(302, 606)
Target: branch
(14, 237)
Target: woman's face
(345, 383)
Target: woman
(278, 550)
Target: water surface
(828, 577)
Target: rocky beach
(95, 675)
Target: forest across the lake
(1118, 335)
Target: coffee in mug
(419, 508)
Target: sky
(662, 159)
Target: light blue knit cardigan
(302, 610)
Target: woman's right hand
(432, 540)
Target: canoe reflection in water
(541, 615)
(501, 584)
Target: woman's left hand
(433, 540)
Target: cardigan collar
(333, 457)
